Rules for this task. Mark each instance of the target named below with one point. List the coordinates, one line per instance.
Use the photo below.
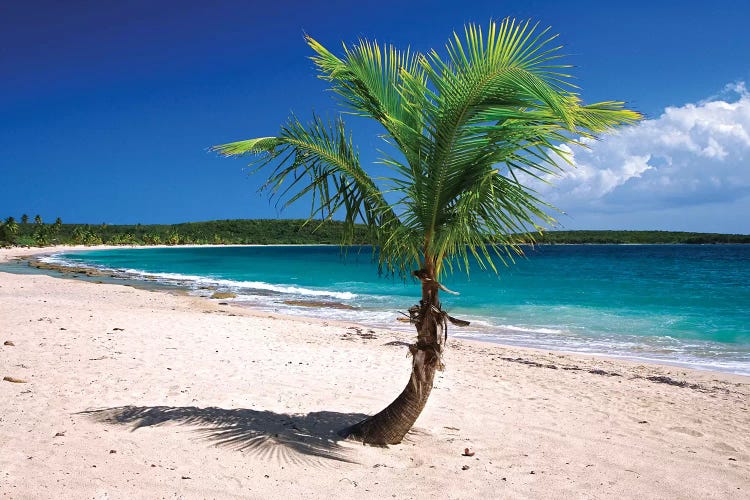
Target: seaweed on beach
(662, 379)
(604, 372)
(527, 362)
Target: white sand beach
(118, 392)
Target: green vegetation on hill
(285, 231)
(638, 237)
(220, 232)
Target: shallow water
(680, 304)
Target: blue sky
(108, 107)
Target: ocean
(687, 305)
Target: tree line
(638, 237)
(35, 232)
(219, 232)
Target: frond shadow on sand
(264, 432)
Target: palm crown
(469, 129)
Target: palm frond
(249, 146)
(378, 82)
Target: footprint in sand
(725, 447)
(686, 430)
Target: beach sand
(131, 393)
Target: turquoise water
(681, 304)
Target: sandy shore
(129, 393)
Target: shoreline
(112, 276)
(7, 255)
(129, 392)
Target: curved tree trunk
(390, 425)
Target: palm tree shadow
(263, 432)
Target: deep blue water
(682, 304)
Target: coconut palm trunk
(391, 424)
(469, 136)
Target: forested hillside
(25, 232)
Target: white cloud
(691, 155)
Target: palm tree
(11, 224)
(466, 134)
(8, 230)
(38, 220)
(24, 219)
